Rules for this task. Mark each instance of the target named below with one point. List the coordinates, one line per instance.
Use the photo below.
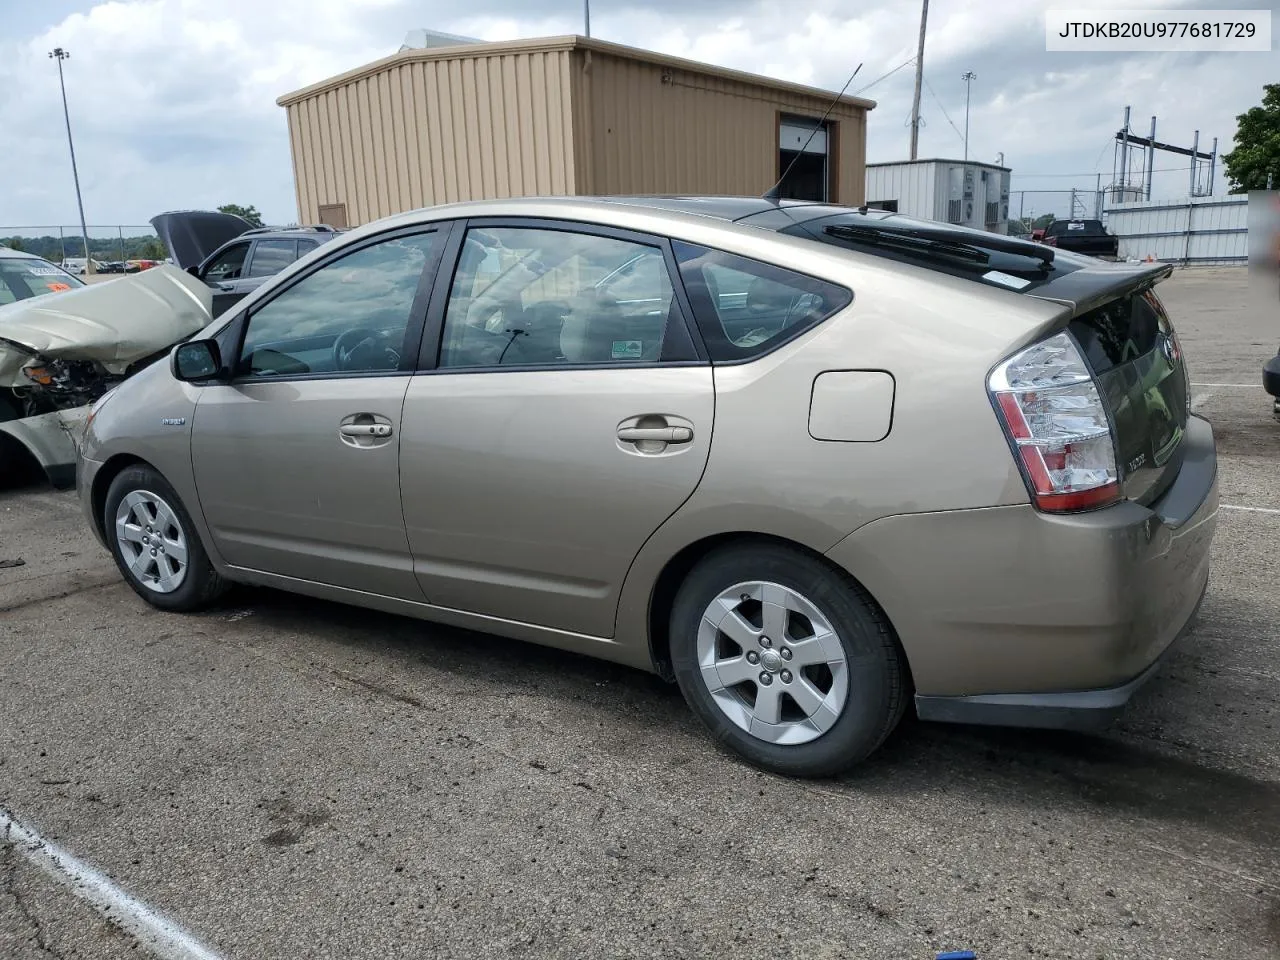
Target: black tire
(201, 583)
(877, 673)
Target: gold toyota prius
(810, 462)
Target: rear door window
(272, 256)
(537, 296)
(746, 308)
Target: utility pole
(1195, 148)
(1124, 157)
(915, 102)
(968, 79)
(59, 54)
(586, 15)
(1151, 158)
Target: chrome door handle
(225, 287)
(365, 429)
(660, 434)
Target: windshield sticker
(1075, 226)
(627, 349)
(1006, 280)
(58, 287)
(44, 271)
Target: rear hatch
(1129, 342)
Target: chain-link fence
(107, 243)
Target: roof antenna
(772, 193)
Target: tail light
(1051, 241)
(1058, 426)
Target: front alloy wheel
(151, 541)
(154, 542)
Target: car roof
(271, 233)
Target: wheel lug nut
(766, 678)
(753, 657)
(786, 676)
(153, 551)
(766, 642)
(785, 653)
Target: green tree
(13, 243)
(249, 213)
(153, 249)
(1257, 152)
(1042, 221)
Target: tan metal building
(556, 116)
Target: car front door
(296, 456)
(564, 418)
(225, 276)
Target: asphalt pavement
(280, 777)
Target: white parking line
(1235, 386)
(162, 937)
(1231, 506)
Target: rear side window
(746, 308)
(272, 256)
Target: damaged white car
(61, 352)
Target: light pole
(586, 15)
(968, 78)
(59, 54)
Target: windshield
(988, 258)
(25, 277)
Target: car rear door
(561, 414)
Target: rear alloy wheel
(786, 661)
(154, 542)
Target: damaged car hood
(113, 323)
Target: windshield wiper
(951, 244)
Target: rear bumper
(1082, 710)
(1011, 616)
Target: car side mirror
(194, 270)
(196, 361)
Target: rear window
(22, 278)
(1120, 331)
(745, 308)
(1069, 227)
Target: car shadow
(401, 658)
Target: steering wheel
(364, 349)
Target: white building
(968, 193)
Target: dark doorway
(807, 179)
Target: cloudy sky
(173, 101)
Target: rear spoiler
(1087, 289)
